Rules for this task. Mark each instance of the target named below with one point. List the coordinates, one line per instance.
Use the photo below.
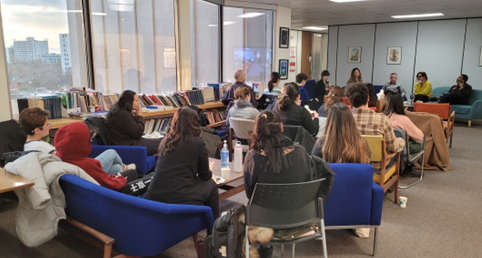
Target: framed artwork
(394, 55)
(284, 37)
(125, 57)
(283, 68)
(354, 54)
(480, 57)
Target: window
(247, 43)
(38, 20)
(205, 42)
(129, 44)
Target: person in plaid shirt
(370, 123)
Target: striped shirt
(370, 123)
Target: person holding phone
(126, 124)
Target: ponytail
(292, 91)
(274, 79)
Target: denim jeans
(111, 162)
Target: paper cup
(92, 109)
(402, 200)
(225, 173)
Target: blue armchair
(469, 112)
(138, 226)
(129, 154)
(355, 201)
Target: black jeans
(454, 98)
(421, 97)
(152, 145)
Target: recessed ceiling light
(345, 1)
(313, 28)
(250, 15)
(423, 15)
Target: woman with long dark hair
(273, 85)
(395, 111)
(342, 142)
(355, 76)
(335, 96)
(126, 124)
(273, 157)
(183, 173)
(290, 111)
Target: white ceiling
(324, 13)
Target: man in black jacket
(239, 77)
(459, 93)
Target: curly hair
(357, 94)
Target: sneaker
(128, 167)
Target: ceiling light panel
(411, 16)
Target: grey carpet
(443, 218)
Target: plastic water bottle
(238, 157)
(225, 155)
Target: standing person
(273, 85)
(458, 94)
(335, 96)
(322, 86)
(239, 77)
(423, 88)
(392, 85)
(370, 123)
(273, 157)
(301, 79)
(355, 76)
(291, 113)
(342, 142)
(183, 171)
(34, 121)
(127, 127)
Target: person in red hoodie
(73, 146)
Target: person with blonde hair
(342, 142)
(335, 96)
(242, 107)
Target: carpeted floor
(442, 219)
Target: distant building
(10, 51)
(66, 58)
(51, 58)
(30, 49)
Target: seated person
(355, 76)
(34, 122)
(291, 113)
(392, 85)
(458, 94)
(242, 107)
(273, 157)
(370, 123)
(240, 78)
(372, 100)
(273, 85)
(73, 146)
(395, 111)
(183, 171)
(343, 143)
(335, 96)
(126, 127)
(322, 86)
(423, 88)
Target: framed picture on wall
(284, 37)
(480, 57)
(283, 69)
(394, 55)
(354, 54)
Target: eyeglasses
(41, 127)
(419, 76)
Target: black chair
(284, 206)
(300, 135)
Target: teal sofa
(468, 112)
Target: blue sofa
(355, 201)
(129, 154)
(139, 227)
(468, 112)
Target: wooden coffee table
(233, 185)
(10, 182)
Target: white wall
(443, 49)
(295, 41)
(473, 44)
(5, 106)
(395, 35)
(440, 50)
(355, 36)
(282, 19)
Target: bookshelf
(59, 122)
